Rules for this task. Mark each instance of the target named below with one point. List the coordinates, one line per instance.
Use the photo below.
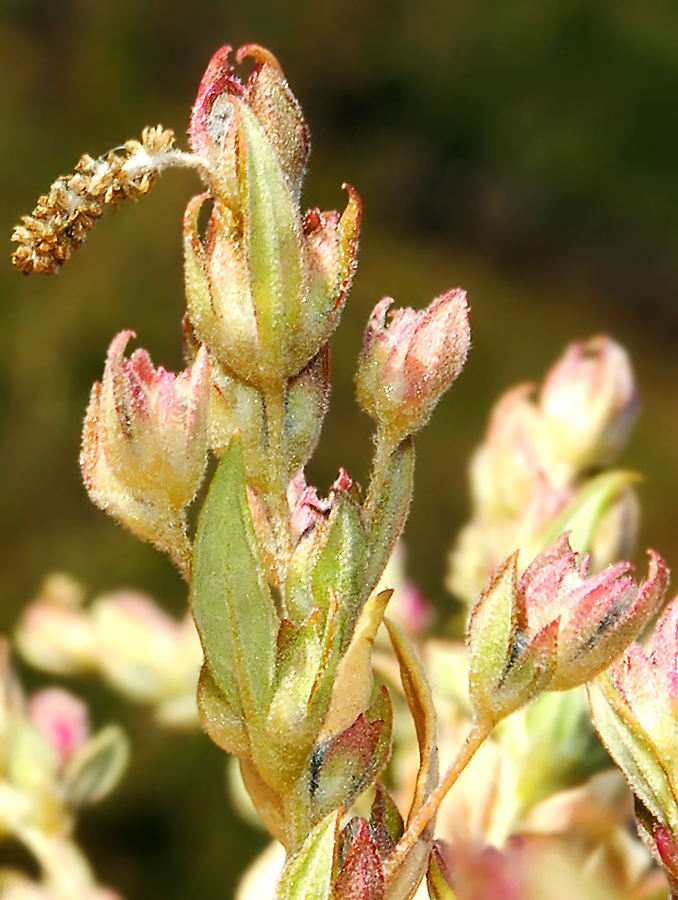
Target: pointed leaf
(269, 803)
(438, 876)
(354, 680)
(362, 875)
(386, 822)
(309, 874)
(231, 601)
(221, 721)
(420, 701)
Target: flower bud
(635, 709)
(144, 446)
(555, 627)
(57, 639)
(265, 286)
(598, 615)
(62, 719)
(407, 364)
(362, 873)
(589, 403)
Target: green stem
(276, 498)
(384, 449)
(474, 740)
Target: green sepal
(530, 673)
(222, 722)
(231, 601)
(272, 246)
(491, 634)
(330, 558)
(387, 517)
(632, 749)
(197, 284)
(302, 691)
(340, 565)
(386, 823)
(278, 112)
(310, 873)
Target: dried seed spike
(61, 219)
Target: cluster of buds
(123, 637)
(635, 709)
(538, 473)
(282, 582)
(50, 767)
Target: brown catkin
(60, 221)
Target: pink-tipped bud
(62, 719)
(265, 285)
(555, 627)
(145, 443)
(409, 362)
(598, 615)
(589, 402)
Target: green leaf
(352, 685)
(309, 874)
(222, 722)
(95, 769)
(438, 877)
(232, 603)
(420, 701)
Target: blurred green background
(526, 150)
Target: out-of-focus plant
(340, 728)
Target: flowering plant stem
(476, 737)
(288, 589)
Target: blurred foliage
(526, 150)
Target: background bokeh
(526, 150)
